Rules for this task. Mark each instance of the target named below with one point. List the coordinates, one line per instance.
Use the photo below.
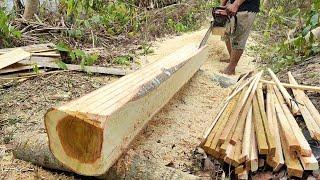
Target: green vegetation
(7, 32)
(280, 49)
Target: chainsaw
(218, 25)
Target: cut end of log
(74, 139)
(79, 139)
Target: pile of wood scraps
(257, 124)
(14, 62)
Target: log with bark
(90, 133)
(33, 147)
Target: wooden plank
(276, 161)
(310, 114)
(259, 129)
(31, 48)
(285, 126)
(291, 160)
(90, 142)
(294, 86)
(246, 143)
(253, 161)
(91, 69)
(15, 68)
(235, 115)
(47, 54)
(269, 135)
(13, 57)
(290, 102)
(304, 147)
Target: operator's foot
(225, 60)
(229, 70)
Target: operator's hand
(233, 8)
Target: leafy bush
(7, 32)
(288, 20)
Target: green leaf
(314, 20)
(62, 47)
(62, 65)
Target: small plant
(76, 55)
(123, 60)
(146, 49)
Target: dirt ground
(171, 136)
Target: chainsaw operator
(238, 30)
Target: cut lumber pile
(89, 134)
(258, 122)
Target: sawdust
(171, 136)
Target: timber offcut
(89, 134)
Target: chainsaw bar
(206, 37)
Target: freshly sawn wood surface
(89, 134)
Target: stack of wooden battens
(257, 124)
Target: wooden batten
(253, 160)
(259, 129)
(249, 93)
(294, 86)
(269, 135)
(89, 134)
(304, 147)
(246, 143)
(292, 104)
(237, 86)
(285, 126)
(276, 161)
(309, 163)
(309, 112)
(212, 141)
(293, 165)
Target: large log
(89, 134)
(33, 147)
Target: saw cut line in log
(89, 134)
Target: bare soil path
(170, 137)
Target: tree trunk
(18, 6)
(33, 147)
(31, 8)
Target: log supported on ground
(89, 134)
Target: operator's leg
(239, 39)
(234, 59)
(228, 45)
